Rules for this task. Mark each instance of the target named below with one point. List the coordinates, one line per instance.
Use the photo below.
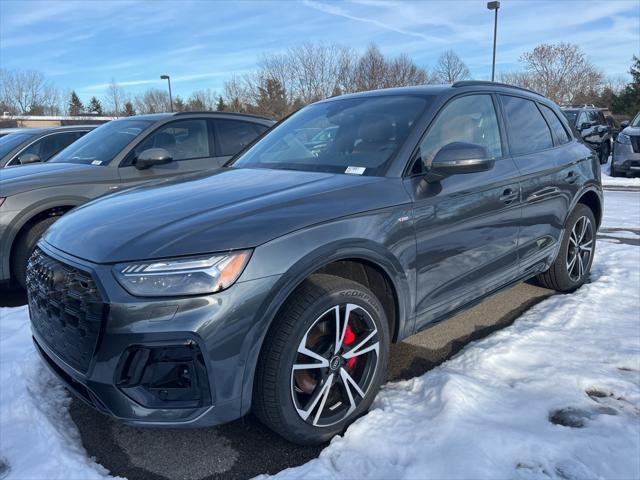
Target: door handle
(509, 196)
(571, 177)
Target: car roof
(424, 90)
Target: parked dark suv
(626, 152)
(116, 155)
(278, 282)
(31, 145)
(594, 129)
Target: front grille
(635, 143)
(66, 308)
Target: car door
(543, 205)
(190, 143)
(466, 225)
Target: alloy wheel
(580, 248)
(335, 365)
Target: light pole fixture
(168, 79)
(494, 6)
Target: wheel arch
(27, 218)
(592, 198)
(363, 263)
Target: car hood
(231, 209)
(20, 179)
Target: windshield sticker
(96, 162)
(355, 170)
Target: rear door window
(556, 125)
(527, 129)
(235, 135)
(183, 139)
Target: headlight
(182, 276)
(623, 139)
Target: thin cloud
(341, 12)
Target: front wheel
(323, 360)
(573, 264)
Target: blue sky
(84, 44)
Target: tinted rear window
(528, 131)
(556, 125)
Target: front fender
(380, 238)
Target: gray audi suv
(117, 155)
(277, 283)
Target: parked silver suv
(626, 150)
(116, 155)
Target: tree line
(284, 82)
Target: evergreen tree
(178, 104)
(628, 102)
(75, 105)
(95, 106)
(221, 106)
(129, 111)
(272, 99)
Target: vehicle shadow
(244, 448)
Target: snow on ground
(38, 439)
(556, 395)
(609, 181)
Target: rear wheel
(323, 360)
(573, 264)
(24, 245)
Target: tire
(567, 274)
(283, 398)
(25, 243)
(605, 150)
(612, 170)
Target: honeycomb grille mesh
(65, 307)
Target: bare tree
(450, 68)
(200, 100)
(28, 91)
(115, 98)
(559, 71)
(152, 100)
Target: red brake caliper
(349, 338)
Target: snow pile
(556, 395)
(38, 439)
(609, 181)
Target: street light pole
(168, 79)
(494, 6)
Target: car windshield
(571, 116)
(101, 145)
(363, 134)
(636, 121)
(12, 140)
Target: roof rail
(251, 115)
(470, 83)
(582, 105)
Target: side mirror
(461, 157)
(151, 157)
(585, 125)
(29, 158)
(624, 124)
